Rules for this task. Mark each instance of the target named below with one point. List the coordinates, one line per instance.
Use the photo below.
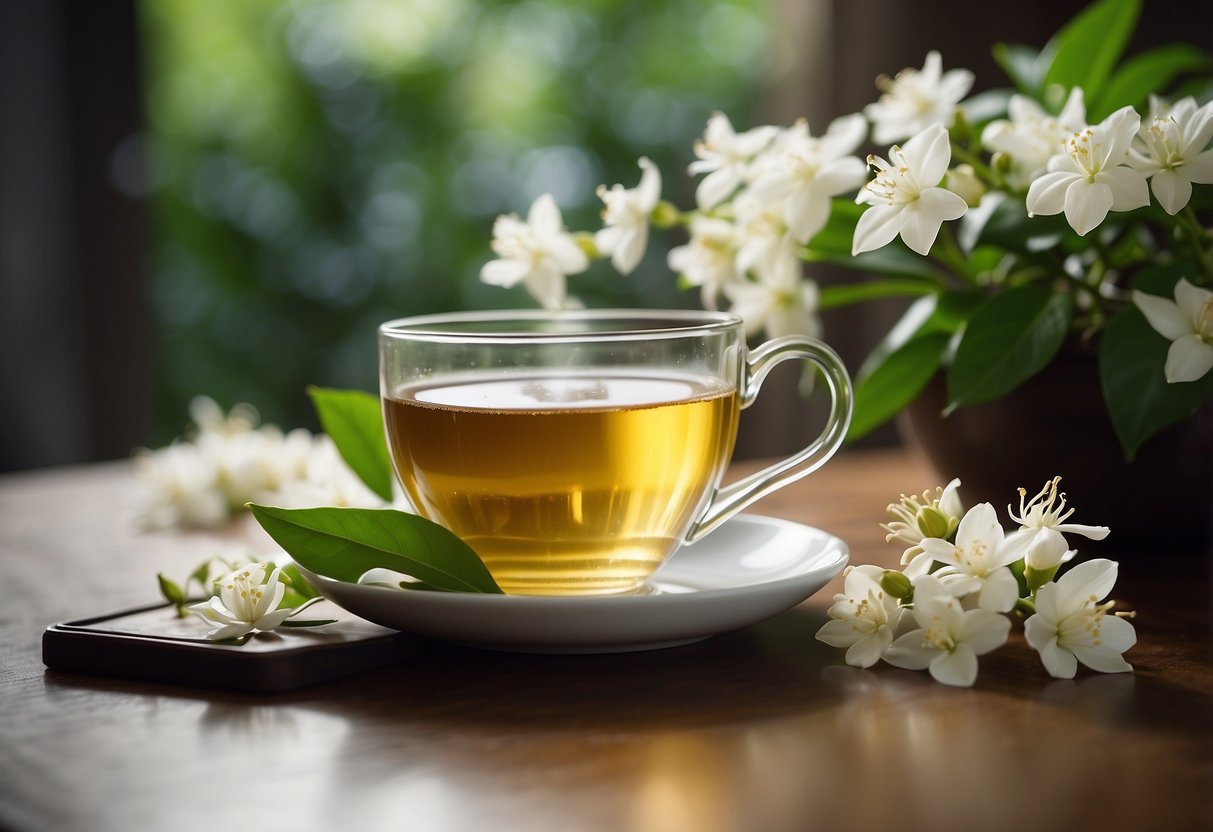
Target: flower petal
(986, 630)
(877, 227)
(806, 213)
(567, 255)
(840, 176)
(234, 630)
(920, 227)
(1116, 132)
(1188, 359)
(547, 285)
(1047, 193)
(928, 154)
(999, 592)
(1199, 168)
(630, 250)
(1191, 301)
(1090, 578)
(1090, 532)
(1163, 314)
(504, 272)
(1129, 188)
(979, 523)
(716, 187)
(544, 216)
(866, 651)
(1059, 662)
(1117, 634)
(909, 653)
(957, 668)
(1102, 659)
(837, 633)
(1171, 190)
(1087, 204)
(1038, 632)
(845, 133)
(648, 192)
(271, 620)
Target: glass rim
(516, 325)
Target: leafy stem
(948, 252)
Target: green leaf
(944, 313)
(1003, 222)
(343, 543)
(895, 382)
(1088, 47)
(353, 419)
(169, 589)
(1140, 401)
(202, 575)
(298, 590)
(1010, 338)
(1150, 72)
(849, 293)
(1024, 65)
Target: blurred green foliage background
(320, 166)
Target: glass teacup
(576, 451)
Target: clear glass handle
(733, 498)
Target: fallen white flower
(247, 603)
(949, 638)
(864, 617)
(1071, 626)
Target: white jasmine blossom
(325, 480)
(539, 253)
(780, 302)
(949, 638)
(1040, 540)
(931, 515)
(979, 553)
(709, 260)
(626, 216)
(232, 461)
(1174, 152)
(725, 156)
(905, 196)
(1187, 322)
(917, 99)
(178, 486)
(1092, 176)
(864, 617)
(1071, 626)
(761, 232)
(805, 172)
(247, 602)
(1031, 137)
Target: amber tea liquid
(564, 485)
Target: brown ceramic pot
(1057, 424)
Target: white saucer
(744, 572)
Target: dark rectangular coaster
(153, 644)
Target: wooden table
(763, 729)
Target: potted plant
(1054, 239)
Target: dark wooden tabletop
(761, 729)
